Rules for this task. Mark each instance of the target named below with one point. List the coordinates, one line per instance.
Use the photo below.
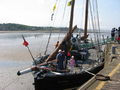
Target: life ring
(73, 40)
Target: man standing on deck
(60, 59)
(118, 38)
(113, 33)
(118, 31)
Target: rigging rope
(62, 18)
(13, 81)
(98, 26)
(42, 43)
(54, 8)
(98, 18)
(95, 18)
(96, 22)
(48, 41)
(92, 21)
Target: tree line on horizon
(17, 27)
(21, 27)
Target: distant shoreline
(39, 31)
(30, 31)
(20, 28)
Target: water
(12, 49)
(14, 57)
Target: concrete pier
(111, 69)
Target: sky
(38, 13)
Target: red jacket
(118, 38)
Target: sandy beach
(10, 81)
(12, 60)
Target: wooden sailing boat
(46, 77)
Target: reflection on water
(19, 35)
(12, 51)
(13, 63)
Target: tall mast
(86, 19)
(71, 15)
(68, 35)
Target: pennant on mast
(54, 7)
(70, 3)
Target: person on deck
(113, 33)
(118, 37)
(72, 64)
(60, 59)
(65, 60)
(68, 55)
(57, 44)
(118, 31)
(116, 34)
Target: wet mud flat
(14, 56)
(10, 81)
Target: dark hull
(65, 81)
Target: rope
(53, 20)
(95, 24)
(98, 24)
(13, 81)
(98, 18)
(92, 21)
(82, 19)
(94, 18)
(99, 76)
(62, 17)
(48, 42)
(41, 46)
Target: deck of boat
(90, 62)
(112, 69)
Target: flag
(70, 3)
(54, 7)
(52, 16)
(25, 43)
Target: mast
(67, 36)
(71, 16)
(86, 20)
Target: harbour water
(14, 56)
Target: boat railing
(94, 44)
